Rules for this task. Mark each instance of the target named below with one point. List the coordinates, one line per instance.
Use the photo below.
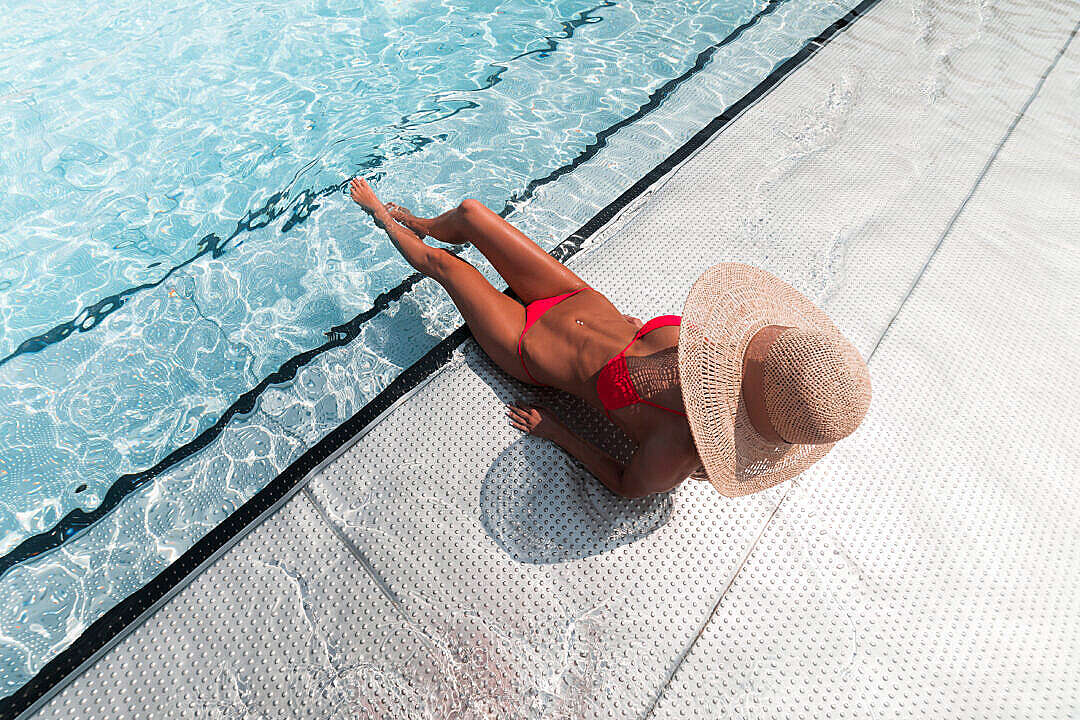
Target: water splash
(469, 667)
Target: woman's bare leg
(529, 271)
(494, 319)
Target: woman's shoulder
(663, 461)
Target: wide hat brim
(727, 305)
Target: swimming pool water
(187, 299)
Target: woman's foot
(364, 196)
(418, 225)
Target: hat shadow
(543, 507)
(540, 505)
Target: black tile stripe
(110, 628)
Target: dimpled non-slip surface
(941, 583)
(445, 566)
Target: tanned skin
(565, 349)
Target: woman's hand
(364, 196)
(535, 420)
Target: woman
(755, 386)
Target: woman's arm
(652, 469)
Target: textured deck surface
(919, 179)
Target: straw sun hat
(816, 385)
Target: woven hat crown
(816, 386)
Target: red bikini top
(613, 384)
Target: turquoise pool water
(188, 301)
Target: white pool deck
(919, 178)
